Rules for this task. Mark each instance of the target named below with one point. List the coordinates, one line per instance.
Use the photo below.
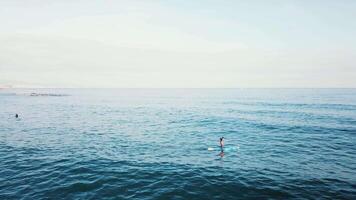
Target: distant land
(5, 86)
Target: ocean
(153, 144)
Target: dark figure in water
(16, 116)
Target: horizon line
(178, 88)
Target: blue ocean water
(152, 144)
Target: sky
(178, 44)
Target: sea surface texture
(153, 144)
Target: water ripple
(128, 145)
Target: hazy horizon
(173, 44)
(193, 88)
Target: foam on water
(152, 144)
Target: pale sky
(176, 43)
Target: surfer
(221, 154)
(222, 142)
(16, 116)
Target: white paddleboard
(226, 148)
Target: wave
(101, 179)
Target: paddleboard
(226, 148)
